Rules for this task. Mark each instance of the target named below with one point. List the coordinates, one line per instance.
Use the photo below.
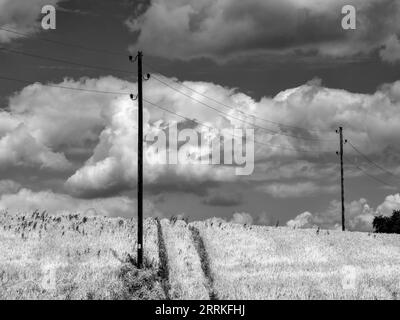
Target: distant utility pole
(340, 132)
(139, 97)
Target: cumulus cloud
(242, 218)
(359, 215)
(112, 167)
(94, 136)
(303, 220)
(21, 16)
(50, 127)
(187, 29)
(247, 218)
(64, 118)
(47, 127)
(392, 202)
(19, 148)
(26, 200)
(367, 117)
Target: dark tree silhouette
(383, 224)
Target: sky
(286, 69)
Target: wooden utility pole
(140, 163)
(340, 131)
(139, 97)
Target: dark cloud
(225, 29)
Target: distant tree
(383, 224)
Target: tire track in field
(163, 270)
(205, 262)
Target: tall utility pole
(139, 97)
(340, 131)
(140, 163)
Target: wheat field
(255, 262)
(70, 256)
(78, 257)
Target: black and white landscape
(270, 149)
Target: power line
(62, 61)
(66, 44)
(64, 87)
(369, 175)
(371, 161)
(230, 107)
(123, 71)
(212, 128)
(151, 67)
(270, 131)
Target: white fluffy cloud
(113, 163)
(359, 215)
(48, 127)
(58, 117)
(392, 202)
(303, 220)
(26, 200)
(186, 29)
(21, 16)
(51, 127)
(242, 218)
(44, 124)
(20, 148)
(246, 218)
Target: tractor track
(163, 270)
(205, 262)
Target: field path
(186, 277)
(163, 261)
(205, 262)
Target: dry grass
(281, 263)
(72, 257)
(75, 257)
